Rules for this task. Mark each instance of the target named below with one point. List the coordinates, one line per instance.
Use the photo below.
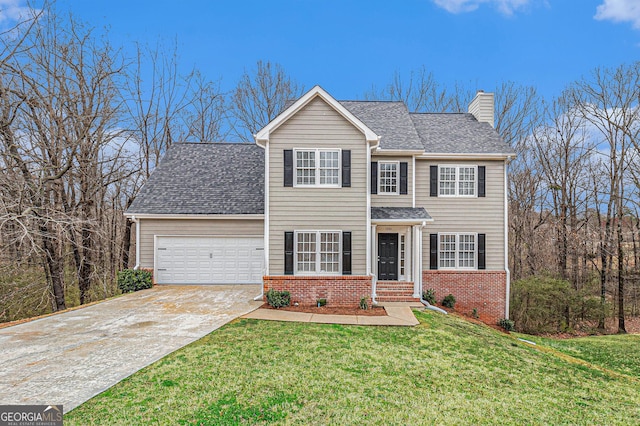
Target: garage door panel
(209, 260)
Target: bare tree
(421, 92)
(60, 146)
(260, 96)
(608, 100)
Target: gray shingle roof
(389, 120)
(458, 133)
(205, 178)
(399, 213)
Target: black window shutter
(288, 167)
(433, 251)
(346, 168)
(374, 177)
(346, 253)
(482, 253)
(404, 173)
(433, 181)
(481, 181)
(288, 253)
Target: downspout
(137, 222)
(506, 240)
(429, 306)
(369, 239)
(418, 256)
(266, 219)
(426, 304)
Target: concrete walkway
(70, 357)
(398, 314)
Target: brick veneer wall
(482, 290)
(344, 290)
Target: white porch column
(374, 260)
(417, 261)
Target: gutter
(135, 220)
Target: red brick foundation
(344, 290)
(482, 290)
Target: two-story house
(338, 200)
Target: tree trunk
(55, 267)
(621, 326)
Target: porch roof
(400, 214)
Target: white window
(306, 251)
(387, 177)
(318, 252)
(457, 251)
(317, 167)
(457, 181)
(402, 255)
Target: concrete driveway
(70, 357)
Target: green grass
(444, 371)
(620, 353)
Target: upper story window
(317, 167)
(388, 177)
(457, 181)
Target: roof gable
(262, 137)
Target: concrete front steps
(395, 291)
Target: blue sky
(348, 46)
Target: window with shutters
(318, 252)
(457, 181)
(457, 251)
(317, 167)
(388, 177)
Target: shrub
(507, 324)
(133, 280)
(278, 299)
(474, 313)
(544, 304)
(429, 296)
(363, 303)
(449, 301)
(321, 302)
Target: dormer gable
(263, 136)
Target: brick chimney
(482, 107)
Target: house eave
(194, 216)
(471, 156)
(400, 221)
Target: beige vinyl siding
(378, 200)
(460, 214)
(317, 125)
(193, 227)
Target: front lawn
(444, 371)
(619, 353)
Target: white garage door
(209, 260)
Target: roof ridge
(440, 113)
(213, 143)
(372, 101)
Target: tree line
(83, 124)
